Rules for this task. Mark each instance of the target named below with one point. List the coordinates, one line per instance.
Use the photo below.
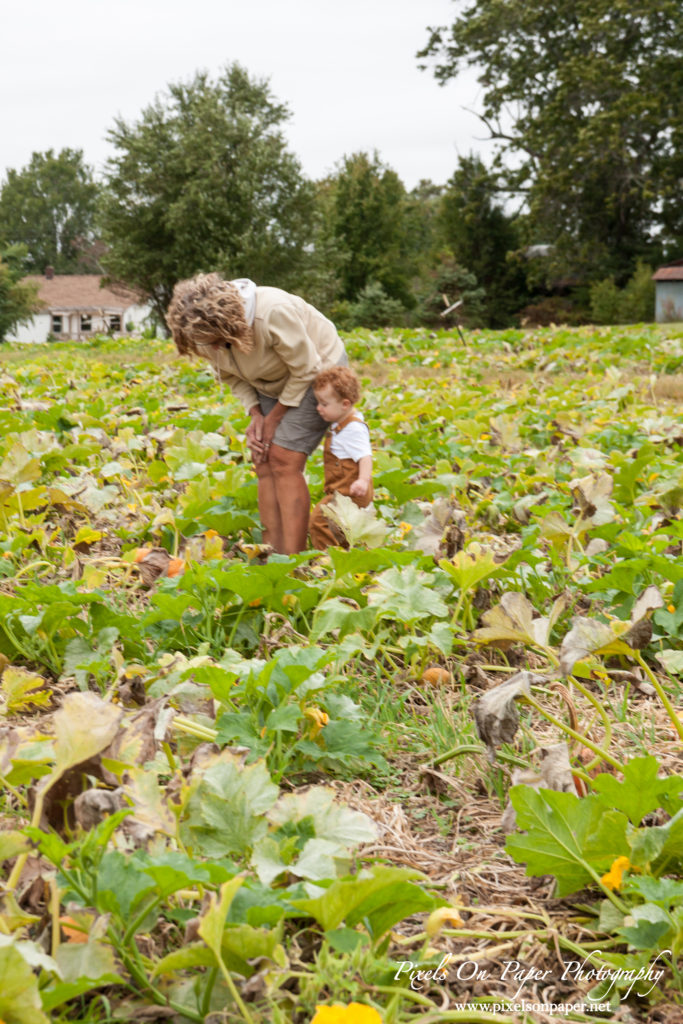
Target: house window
(86, 322)
(114, 323)
(56, 324)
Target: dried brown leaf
(588, 636)
(596, 546)
(555, 773)
(591, 494)
(136, 743)
(522, 508)
(94, 805)
(556, 770)
(153, 565)
(442, 532)
(495, 714)
(513, 621)
(150, 801)
(639, 635)
(649, 601)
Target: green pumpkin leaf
(574, 839)
(641, 789)
(665, 891)
(12, 843)
(20, 1001)
(22, 690)
(651, 925)
(406, 595)
(226, 811)
(212, 921)
(471, 566)
(342, 900)
(93, 960)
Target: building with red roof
(669, 292)
(77, 306)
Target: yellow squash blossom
(354, 1013)
(318, 719)
(213, 545)
(612, 880)
(441, 917)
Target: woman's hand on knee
(270, 425)
(255, 435)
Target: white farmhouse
(76, 306)
(669, 292)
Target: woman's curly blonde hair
(204, 310)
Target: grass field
(238, 786)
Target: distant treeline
(583, 199)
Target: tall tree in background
(49, 206)
(368, 217)
(481, 236)
(585, 100)
(422, 227)
(18, 300)
(203, 181)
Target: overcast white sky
(346, 69)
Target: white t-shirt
(353, 442)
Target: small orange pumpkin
(73, 931)
(436, 676)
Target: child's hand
(359, 488)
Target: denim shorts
(301, 429)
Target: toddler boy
(347, 456)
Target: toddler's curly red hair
(342, 380)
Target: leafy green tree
(635, 303)
(203, 181)
(18, 300)
(368, 220)
(482, 236)
(320, 281)
(49, 206)
(450, 282)
(423, 232)
(584, 99)
(372, 308)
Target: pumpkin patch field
(436, 776)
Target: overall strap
(351, 418)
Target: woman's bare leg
(269, 510)
(293, 499)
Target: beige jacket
(293, 342)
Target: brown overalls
(339, 475)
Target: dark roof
(82, 292)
